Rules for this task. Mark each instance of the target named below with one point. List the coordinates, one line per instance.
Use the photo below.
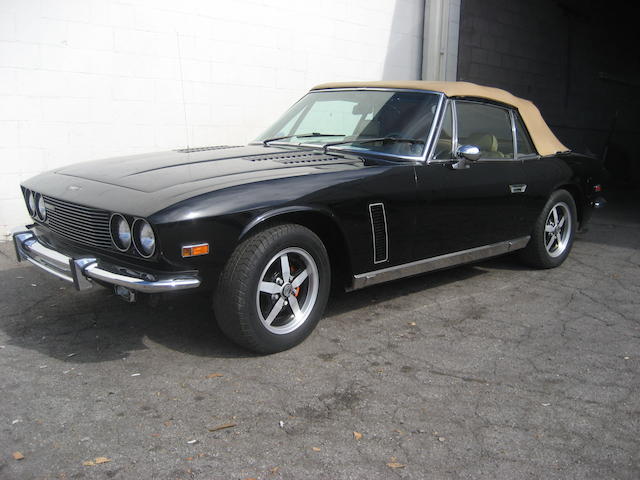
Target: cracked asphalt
(486, 371)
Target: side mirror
(469, 152)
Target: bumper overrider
(81, 271)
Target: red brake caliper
(296, 291)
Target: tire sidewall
(308, 241)
(559, 196)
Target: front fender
(284, 211)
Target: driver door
(463, 205)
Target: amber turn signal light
(195, 250)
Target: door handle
(518, 187)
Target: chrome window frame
(454, 140)
(428, 141)
(528, 156)
(454, 134)
(513, 134)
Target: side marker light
(195, 250)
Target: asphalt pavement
(491, 371)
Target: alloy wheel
(557, 229)
(287, 290)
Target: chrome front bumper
(81, 271)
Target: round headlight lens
(41, 209)
(31, 202)
(120, 232)
(144, 238)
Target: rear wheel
(553, 234)
(274, 289)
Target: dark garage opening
(577, 60)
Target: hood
(142, 185)
(191, 167)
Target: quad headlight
(120, 232)
(35, 205)
(139, 233)
(144, 238)
(31, 202)
(41, 210)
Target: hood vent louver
(204, 149)
(296, 158)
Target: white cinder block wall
(85, 79)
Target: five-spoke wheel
(274, 288)
(553, 233)
(557, 229)
(288, 290)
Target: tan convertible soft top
(543, 138)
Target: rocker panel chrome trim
(437, 263)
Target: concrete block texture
(81, 80)
(572, 59)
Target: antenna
(184, 103)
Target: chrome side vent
(379, 232)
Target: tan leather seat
(486, 142)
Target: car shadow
(618, 222)
(45, 315)
(342, 302)
(96, 325)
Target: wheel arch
(578, 199)
(320, 221)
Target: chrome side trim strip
(437, 263)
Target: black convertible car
(356, 184)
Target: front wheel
(274, 289)
(553, 233)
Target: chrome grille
(86, 225)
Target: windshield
(354, 119)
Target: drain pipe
(421, 46)
(440, 39)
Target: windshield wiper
(304, 135)
(372, 140)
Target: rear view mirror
(362, 109)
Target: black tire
(542, 250)
(243, 309)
